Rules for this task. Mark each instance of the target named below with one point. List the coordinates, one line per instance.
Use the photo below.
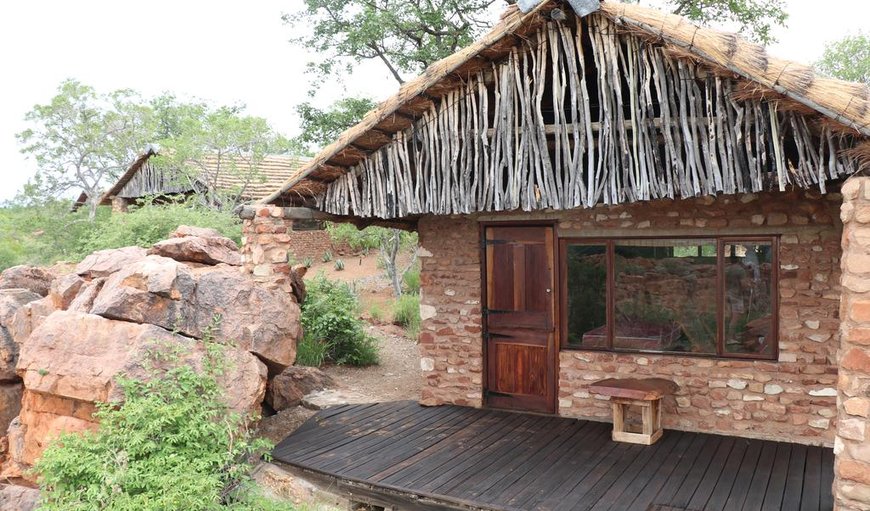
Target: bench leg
(651, 415)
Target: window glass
(587, 296)
(665, 295)
(748, 318)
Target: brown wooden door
(519, 318)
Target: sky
(229, 52)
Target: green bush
(406, 312)
(311, 352)
(172, 444)
(339, 265)
(412, 281)
(330, 317)
(49, 233)
(358, 240)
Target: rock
(297, 273)
(8, 356)
(28, 317)
(257, 319)
(87, 294)
(150, 291)
(13, 465)
(106, 262)
(205, 250)
(10, 403)
(288, 388)
(190, 230)
(18, 498)
(77, 356)
(43, 418)
(277, 427)
(32, 278)
(13, 299)
(327, 398)
(279, 485)
(65, 289)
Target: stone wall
(852, 446)
(793, 398)
(269, 241)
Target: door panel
(520, 331)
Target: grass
(406, 312)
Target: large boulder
(288, 388)
(199, 249)
(106, 262)
(10, 403)
(31, 278)
(190, 230)
(72, 361)
(152, 290)
(78, 356)
(257, 319)
(28, 317)
(18, 498)
(11, 301)
(84, 300)
(65, 289)
(164, 292)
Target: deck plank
(465, 458)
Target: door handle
(549, 290)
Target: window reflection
(587, 295)
(665, 295)
(747, 316)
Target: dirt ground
(397, 377)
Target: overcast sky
(227, 52)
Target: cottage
(613, 192)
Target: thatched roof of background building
(842, 105)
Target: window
(701, 296)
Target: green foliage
(847, 59)
(320, 127)
(48, 234)
(405, 35)
(412, 280)
(312, 352)
(82, 140)
(327, 256)
(406, 312)
(357, 239)
(339, 265)
(754, 18)
(172, 444)
(376, 313)
(308, 261)
(330, 316)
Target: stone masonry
(270, 245)
(793, 398)
(852, 444)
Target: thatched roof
(843, 105)
(271, 172)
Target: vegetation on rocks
(48, 233)
(172, 444)
(333, 329)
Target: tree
(755, 18)
(82, 139)
(210, 147)
(847, 59)
(320, 127)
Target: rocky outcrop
(32, 278)
(62, 353)
(106, 262)
(288, 388)
(211, 250)
(18, 498)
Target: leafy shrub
(49, 233)
(358, 240)
(311, 352)
(376, 313)
(330, 316)
(172, 444)
(406, 312)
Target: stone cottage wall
(269, 242)
(852, 446)
(793, 398)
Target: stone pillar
(852, 444)
(271, 245)
(119, 204)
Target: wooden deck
(411, 457)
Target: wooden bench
(647, 394)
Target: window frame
(720, 241)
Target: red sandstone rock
(32, 278)
(106, 262)
(190, 230)
(28, 317)
(205, 250)
(65, 289)
(288, 388)
(10, 403)
(18, 498)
